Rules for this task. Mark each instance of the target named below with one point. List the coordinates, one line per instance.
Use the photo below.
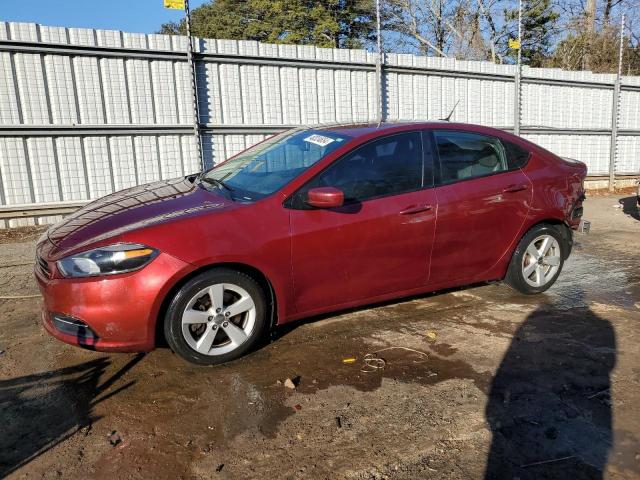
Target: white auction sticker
(319, 140)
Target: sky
(141, 16)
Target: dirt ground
(511, 386)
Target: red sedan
(309, 221)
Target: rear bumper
(120, 310)
(575, 213)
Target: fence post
(613, 152)
(379, 66)
(517, 101)
(194, 86)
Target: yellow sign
(174, 4)
(513, 43)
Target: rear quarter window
(517, 157)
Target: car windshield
(268, 166)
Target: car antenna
(448, 117)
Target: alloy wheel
(218, 319)
(541, 261)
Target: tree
(465, 29)
(600, 49)
(445, 28)
(331, 23)
(538, 28)
(495, 35)
(591, 37)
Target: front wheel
(216, 317)
(537, 261)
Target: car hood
(133, 209)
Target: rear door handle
(415, 209)
(516, 188)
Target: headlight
(120, 258)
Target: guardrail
(39, 210)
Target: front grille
(43, 266)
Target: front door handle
(516, 188)
(415, 209)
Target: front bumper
(120, 310)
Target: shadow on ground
(549, 406)
(630, 206)
(42, 410)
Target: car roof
(356, 130)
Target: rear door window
(465, 155)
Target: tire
(204, 332)
(531, 274)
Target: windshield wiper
(216, 182)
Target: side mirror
(325, 197)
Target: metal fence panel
(16, 172)
(630, 110)
(10, 111)
(555, 107)
(71, 167)
(87, 112)
(591, 149)
(628, 154)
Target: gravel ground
(511, 386)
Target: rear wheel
(538, 260)
(216, 317)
